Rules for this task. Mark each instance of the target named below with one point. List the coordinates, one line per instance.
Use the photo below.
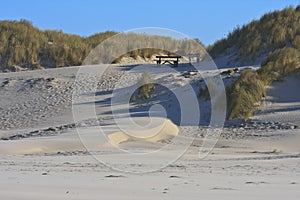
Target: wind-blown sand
(164, 130)
(43, 157)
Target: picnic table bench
(173, 60)
(194, 56)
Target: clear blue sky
(207, 20)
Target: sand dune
(44, 153)
(163, 130)
(283, 102)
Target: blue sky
(207, 20)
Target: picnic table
(194, 56)
(173, 60)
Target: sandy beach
(47, 154)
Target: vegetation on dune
(141, 46)
(279, 63)
(272, 31)
(145, 85)
(245, 93)
(250, 88)
(207, 90)
(95, 39)
(273, 41)
(275, 38)
(22, 44)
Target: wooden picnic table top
(169, 57)
(193, 55)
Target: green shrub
(279, 63)
(273, 30)
(245, 93)
(249, 89)
(209, 89)
(145, 85)
(23, 44)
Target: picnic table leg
(176, 63)
(158, 62)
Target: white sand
(282, 102)
(163, 130)
(235, 169)
(54, 164)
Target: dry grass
(245, 93)
(249, 89)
